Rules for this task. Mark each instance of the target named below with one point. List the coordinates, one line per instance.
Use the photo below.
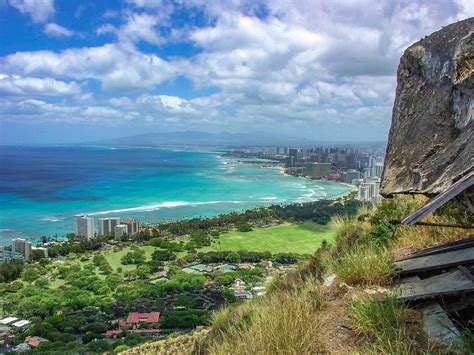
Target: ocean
(43, 187)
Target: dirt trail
(337, 335)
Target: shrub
(365, 265)
(243, 227)
(348, 232)
(385, 322)
(163, 255)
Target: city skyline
(77, 72)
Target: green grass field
(301, 238)
(114, 257)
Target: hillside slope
(355, 313)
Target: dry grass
(365, 265)
(388, 326)
(284, 322)
(182, 345)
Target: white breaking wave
(157, 206)
(51, 219)
(268, 198)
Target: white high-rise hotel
(85, 226)
(23, 247)
(107, 225)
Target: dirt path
(338, 335)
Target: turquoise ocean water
(42, 188)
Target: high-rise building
(120, 230)
(377, 170)
(84, 226)
(107, 225)
(132, 226)
(23, 247)
(317, 170)
(351, 175)
(293, 153)
(369, 190)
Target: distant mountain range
(206, 139)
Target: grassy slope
(362, 256)
(302, 238)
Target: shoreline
(35, 237)
(353, 187)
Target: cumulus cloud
(39, 10)
(116, 67)
(304, 66)
(55, 30)
(17, 85)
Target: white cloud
(39, 10)
(55, 30)
(305, 67)
(16, 85)
(118, 68)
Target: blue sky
(78, 71)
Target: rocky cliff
(430, 142)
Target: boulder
(430, 143)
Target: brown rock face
(430, 144)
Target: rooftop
(150, 318)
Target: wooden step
(440, 261)
(447, 284)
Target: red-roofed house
(138, 318)
(34, 341)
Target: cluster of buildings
(112, 226)
(7, 327)
(21, 250)
(241, 291)
(349, 165)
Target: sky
(80, 71)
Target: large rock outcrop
(430, 143)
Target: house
(226, 268)
(239, 290)
(136, 318)
(8, 320)
(258, 290)
(132, 324)
(21, 348)
(34, 341)
(113, 333)
(239, 285)
(246, 266)
(21, 323)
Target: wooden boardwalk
(437, 261)
(446, 284)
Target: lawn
(301, 238)
(114, 257)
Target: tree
(243, 227)
(42, 282)
(136, 256)
(37, 255)
(163, 255)
(143, 271)
(233, 257)
(30, 273)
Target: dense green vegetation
(73, 299)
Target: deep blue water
(43, 187)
